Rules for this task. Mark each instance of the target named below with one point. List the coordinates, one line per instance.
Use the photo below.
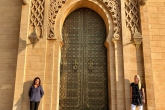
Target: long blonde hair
(139, 82)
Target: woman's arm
(131, 93)
(29, 93)
(42, 91)
(143, 95)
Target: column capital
(25, 2)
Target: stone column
(52, 75)
(150, 96)
(119, 78)
(21, 60)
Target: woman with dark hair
(35, 93)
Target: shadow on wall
(22, 45)
(24, 102)
(128, 101)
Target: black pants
(34, 105)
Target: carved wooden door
(83, 74)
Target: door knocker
(75, 67)
(90, 65)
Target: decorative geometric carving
(114, 8)
(37, 17)
(55, 6)
(132, 15)
(132, 20)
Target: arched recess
(102, 10)
(72, 5)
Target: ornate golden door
(83, 80)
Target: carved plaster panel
(37, 17)
(132, 15)
(133, 20)
(113, 6)
(55, 6)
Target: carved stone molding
(114, 9)
(54, 8)
(112, 5)
(25, 2)
(33, 38)
(142, 2)
(137, 39)
(37, 17)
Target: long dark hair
(35, 80)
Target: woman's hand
(143, 101)
(143, 95)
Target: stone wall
(153, 30)
(156, 24)
(10, 14)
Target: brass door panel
(83, 80)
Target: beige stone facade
(21, 62)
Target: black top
(137, 95)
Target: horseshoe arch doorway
(83, 72)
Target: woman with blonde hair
(137, 94)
